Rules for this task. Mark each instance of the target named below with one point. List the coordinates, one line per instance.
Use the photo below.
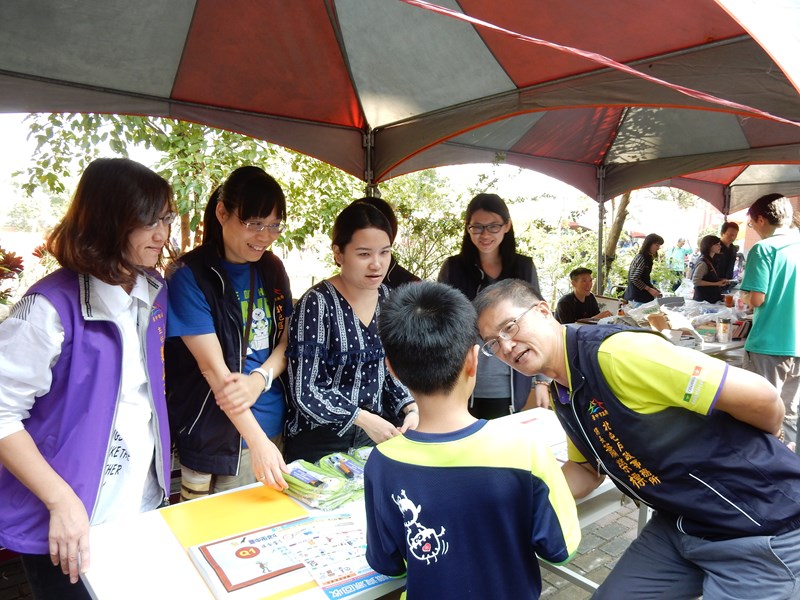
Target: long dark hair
(247, 193)
(652, 238)
(114, 196)
(508, 247)
(706, 244)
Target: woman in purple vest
(84, 436)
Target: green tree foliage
(195, 159)
(429, 227)
(556, 248)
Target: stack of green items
(340, 464)
(335, 480)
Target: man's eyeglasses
(508, 331)
(261, 226)
(491, 228)
(167, 220)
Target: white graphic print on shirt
(424, 543)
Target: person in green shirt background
(771, 285)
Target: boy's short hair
(575, 273)
(427, 329)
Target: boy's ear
(471, 361)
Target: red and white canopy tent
(605, 96)
(732, 189)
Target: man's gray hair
(517, 291)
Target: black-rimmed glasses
(491, 228)
(507, 332)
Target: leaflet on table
(328, 550)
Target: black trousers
(48, 582)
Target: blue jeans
(665, 564)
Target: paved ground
(602, 544)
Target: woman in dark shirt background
(640, 289)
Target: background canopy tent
(607, 96)
(731, 189)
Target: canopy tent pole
(368, 141)
(599, 282)
(726, 201)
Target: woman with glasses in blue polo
(489, 254)
(226, 341)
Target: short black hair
(727, 225)
(775, 208)
(575, 273)
(427, 330)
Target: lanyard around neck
(246, 341)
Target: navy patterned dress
(336, 366)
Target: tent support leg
(599, 282)
(368, 141)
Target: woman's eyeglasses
(261, 226)
(166, 220)
(491, 228)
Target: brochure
(321, 551)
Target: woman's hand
(654, 292)
(239, 392)
(411, 419)
(68, 536)
(267, 463)
(377, 428)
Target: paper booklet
(321, 551)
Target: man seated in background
(687, 434)
(460, 506)
(580, 303)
